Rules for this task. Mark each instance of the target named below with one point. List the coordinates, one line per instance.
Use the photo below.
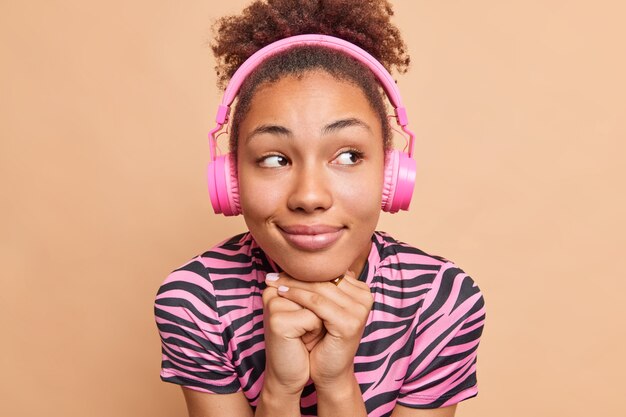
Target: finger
(273, 303)
(312, 334)
(339, 322)
(310, 339)
(357, 290)
(275, 279)
(295, 324)
(350, 278)
(322, 306)
(343, 298)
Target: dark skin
(309, 176)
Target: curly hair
(365, 23)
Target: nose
(310, 190)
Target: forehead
(312, 93)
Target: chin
(318, 266)
(313, 271)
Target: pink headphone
(400, 167)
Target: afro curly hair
(365, 23)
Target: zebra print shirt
(418, 348)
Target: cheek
(363, 193)
(259, 199)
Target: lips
(311, 238)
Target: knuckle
(275, 323)
(353, 323)
(268, 294)
(273, 304)
(366, 311)
(363, 309)
(316, 299)
(366, 299)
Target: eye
(273, 161)
(351, 157)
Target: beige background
(518, 106)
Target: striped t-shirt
(418, 348)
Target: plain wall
(518, 107)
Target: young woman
(313, 312)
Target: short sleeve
(193, 350)
(442, 370)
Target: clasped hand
(312, 330)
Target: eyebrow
(329, 128)
(269, 129)
(344, 123)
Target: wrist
(279, 389)
(341, 398)
(276, 399)
(341, 386)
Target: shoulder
(431, 276)
(199, 282)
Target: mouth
(311, 238)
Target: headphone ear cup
(399, 181)
(389, 181)
(224, 186)
(232, 185)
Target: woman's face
(310, 165)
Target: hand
(343, 309)
(290, 333)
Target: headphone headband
(331, 42)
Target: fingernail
(282, 288)
(272, 276)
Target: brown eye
(273, 161)
(349, 158)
